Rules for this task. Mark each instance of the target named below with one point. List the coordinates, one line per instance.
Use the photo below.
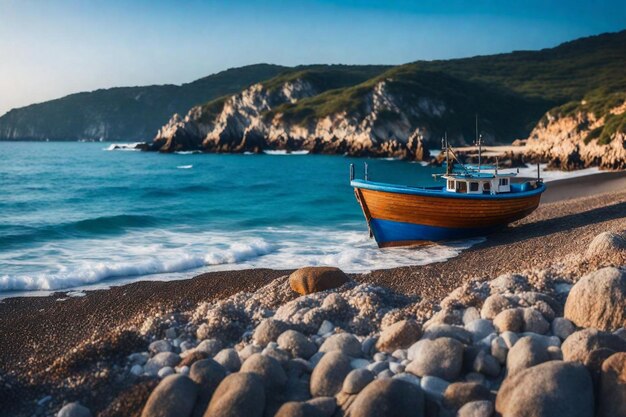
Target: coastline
(40, 336)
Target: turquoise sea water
(74, 214)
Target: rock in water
(552, 389)
(239, 394)
(441, 357)
(175, 396)
(268, 369)
(316, 278)
(389, 398)
(598, 300)
(208, 374)
(612, 395)
(399, 335)
(327, 377)
(74, 410)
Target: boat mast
(479, 142)
(447, 153)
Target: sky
(51, 48)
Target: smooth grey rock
(386, 374)
(136, 370)
(476, 409)
(446, 330)
(470, 314)
(388, 398)
(553, 388)
(555, 353)
(434, 387)
(380, 357)
(562, 328)
(343, 342)
(487, 365)
(480, 329)
(139, 358)
(511, 319)
(325, 328)
(359, 363)
(159, 346)
(161, 360)
(280, 355)
(405, 376)
(165, 371)
(175, 396)
(248, 351)
(239, 394)
(441, 357)
(229, 359)
(526, 353)
(612, 392)
(296, 344)
(268, 331)
(328, 376)
(378, 367)
(396, 367)
(356, 380)
(510, 338)
(74, 410)
(509, 283)
(367, 346)
(534, 321)
(494, 304)
(210, 346)
(499, 349)
(400, 354)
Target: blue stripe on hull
(388, 231)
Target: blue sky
(52, 48)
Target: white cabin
(478, 183)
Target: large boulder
(388, 398)
(175, 396)
(552, 389)
(399, 335)
(239, 394)
(327, 377)
(441, 357)
(598, 300)
(316, 278)
(580, 344)
(606, 244)
(612, 393)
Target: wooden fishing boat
(475, 201)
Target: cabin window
(486, 186)
(473, 186)
(461, 187)
(504, 181)
(450, 184)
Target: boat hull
(402, 216)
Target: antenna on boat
(479, 142)
(447, 152)
(351, 172)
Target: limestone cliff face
(250, 122)
(567, 142)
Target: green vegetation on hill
(124, 113)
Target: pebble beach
(530, 322)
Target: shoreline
(557, 190)
(44, 341)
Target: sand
(52, 347)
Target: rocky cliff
(249, 122)
(582, 134)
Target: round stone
(441, 357)
(460, 393)
(476, 409)
(328, 376)
(175, 396)
(74, 410)
(399, 335)
(388, 398)
(239, 394)
(268, 369)
(527, 352)
(356, 380)
(309, 280)
(161, 360)
(343, 342)
(268, 331)
(297, 344)
(229, 359)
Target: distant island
(569, 101)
